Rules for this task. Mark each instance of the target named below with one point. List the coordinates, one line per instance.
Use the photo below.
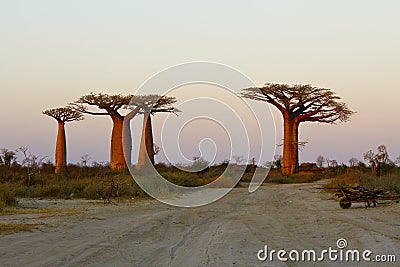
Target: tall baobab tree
(62, 116)
(151, 104)
(109, 105)
(299, 103)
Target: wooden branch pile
(359, 194)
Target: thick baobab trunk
(127, 143)
(127, 136)
(61, 149)
(117, 159)
(290, 162)
(146, 150)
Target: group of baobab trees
(110, 105)
(297, 104)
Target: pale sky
(53, 52)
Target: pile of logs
(358, 194)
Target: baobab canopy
(305, 102)
(109, 103)
(112, 103)
(153, 103)
(65, 114)
(299, 103)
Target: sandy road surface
(229, 232)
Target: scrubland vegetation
(389, 181)
(95, 182)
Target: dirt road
(229, 232)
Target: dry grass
(344, 180)
(11, 228)
(7, 199)
(293, 179)
(68, 188)
(94, 182)
(37, 215)
(18, 210)
(64, 213)
(41, 213)
(222, 182)
(390, 182)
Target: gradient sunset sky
(53, 52)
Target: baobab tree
(108, 105)
(62, 116)
(376, 160)
(299, 103)
(151, 104)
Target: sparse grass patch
(11, 228)
(18, 210)
(347, 179)
(7, 199)
(53, 186)
(64, 213)
(223, 182)
(293, 179)
(183, 178)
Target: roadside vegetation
(98, 181)
(33, 178)
(390, 181)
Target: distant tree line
(377, 161)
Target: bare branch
(256, 93)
